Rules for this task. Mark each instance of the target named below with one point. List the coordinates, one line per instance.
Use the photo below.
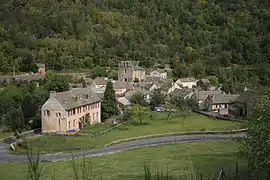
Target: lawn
(207, 157)
(159, 124)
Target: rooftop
(189, 79)
(202, 95)
(100, 81)
(76, 97)
(223, 98)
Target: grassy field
(160, 124)
(207, 157)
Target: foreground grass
(160, 124)
(207, 157)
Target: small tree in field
(140, 113)
(109, 105)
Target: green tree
(109, 104)
(157, 98)
(140, 113)
(56, 83)
(14, 119)
(213, 79)
(138, 98)
(256, 147)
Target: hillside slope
(84, 33)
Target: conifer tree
(109, 105)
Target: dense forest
(188, 34)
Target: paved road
(5, 157)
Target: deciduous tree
(140, 113)
(256, 147)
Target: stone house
(68, 110)
(129, 71)
(121, 87)
(145, 92)
(168, 86)
(99, 82)
(220, 102)
(187, 82)
(240, 105)
(149, 86)
(160, 73)
(41, 68)
(185, 93)
(200, 97)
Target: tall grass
(84, 171)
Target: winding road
(6, 157)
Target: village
(67, 111)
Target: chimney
(52, 94)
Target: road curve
(5, 157)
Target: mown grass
(159, 124)
(206, 157)
(92, 129)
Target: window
(125, 71)
(47, 112)
(59, 123)
(58, 114)
(73, 123)
(68, 124)
(74, 111)
(97, 115)
(93, 116)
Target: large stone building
(129, 71)
(70, 110)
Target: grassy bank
(159, 124)
(200, 157)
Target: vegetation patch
(159, 124)
(193, 159)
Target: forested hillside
(85, 33)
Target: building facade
(41, 68)
(160, 73)
(129, 71)
(70, 110)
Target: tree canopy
(201, 35)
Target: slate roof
(165, 86)
(77, 97)
(180, 93)
(146, 85)
(129, 94)
(122, 85)
(246, 97)
(100, 81)
(190, 79)
(124, 101)
(202, 95)
(151, 79)
(224, 98)
(40, 65)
